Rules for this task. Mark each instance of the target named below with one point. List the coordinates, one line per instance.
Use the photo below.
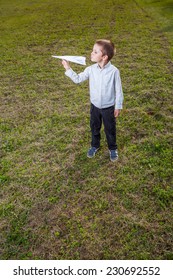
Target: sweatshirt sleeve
(118, 91)
(78, 78)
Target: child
(106, 95)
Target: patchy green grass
(161, 11)
(56, 203)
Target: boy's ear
(105, 57)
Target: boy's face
(97, 55)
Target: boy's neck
(102, 63)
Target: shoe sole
(90, 156)
(114, 159)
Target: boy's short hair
(107, 47)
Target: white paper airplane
(76, 59)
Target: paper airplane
(76, 59)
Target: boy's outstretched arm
(66, 64)
(76, 78)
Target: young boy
(106, 95)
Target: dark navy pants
(97, 116)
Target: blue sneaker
(113, 155)
(91, 152)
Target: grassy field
(56, 203)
